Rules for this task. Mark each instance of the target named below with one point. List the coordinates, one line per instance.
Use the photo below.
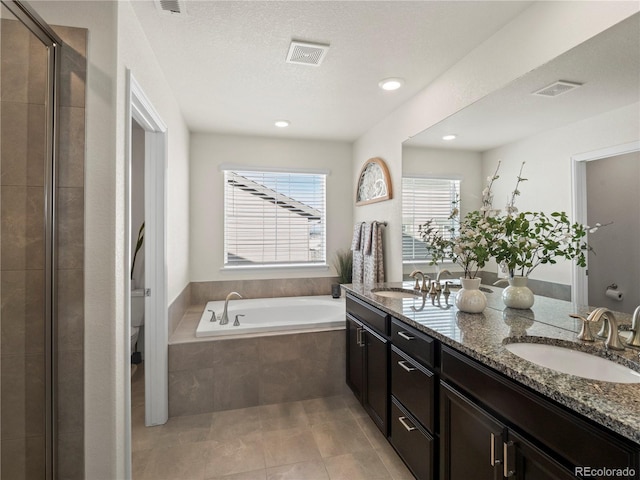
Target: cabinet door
(376, 398)
(524, 461)
(355, 357)
(472, 440)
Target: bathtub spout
(224, 319)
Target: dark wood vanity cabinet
(368, 359)
(498, 427)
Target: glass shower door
(25, 253)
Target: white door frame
(140, 109)
(580, 289)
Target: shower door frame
(37, 26)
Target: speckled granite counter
(483, 336)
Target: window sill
(298, 266)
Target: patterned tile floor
(328, 438)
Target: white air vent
(305, 53)
(557, 88)
(174, 7)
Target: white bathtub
(268, 315)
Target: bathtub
(269, 315)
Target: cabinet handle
(403, 364)
(359, 337)
(495, 461)
(406, 336)
(403, 421)
(507, 456)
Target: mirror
(549, 133)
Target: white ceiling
(225, 60)
(608, 66)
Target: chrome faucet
(424, 287)
(609, 327)
(224, 319)
(634, 339)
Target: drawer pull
(408, 368)
(406, 336)
(495, 461)
(509, 459)
(403, 421)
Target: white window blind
(424, 199)
(274, 218)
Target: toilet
(137, 315)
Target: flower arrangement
(343, 263)
(520, 240)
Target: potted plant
(343, 263)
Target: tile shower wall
(70, 270)
(237, 373)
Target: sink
(396, 293)
(574, 362)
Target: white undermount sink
(574, 362)
(389, 293)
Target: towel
(374, 260)
(356, 243)
(367, 237)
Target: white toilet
(137, 315)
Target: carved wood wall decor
(374, 183)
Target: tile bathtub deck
(329, 438)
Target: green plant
(343, 263)
(139, 243)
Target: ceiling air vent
(305, 53)
(557, 88)
(175, 7)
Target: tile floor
(328, 438)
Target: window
(274, 218)
(423, 199)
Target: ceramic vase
(517, 294)
(469, 298)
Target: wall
(539, 34)
(613, 196)
(548, 167)
(209, 150)
(116, 41)
(467, 165)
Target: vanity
(456, 404)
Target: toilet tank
(137, 307)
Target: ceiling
(608, 66)
(225, 60)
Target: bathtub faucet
(224, 319)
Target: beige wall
(539, 34)
(209, 150)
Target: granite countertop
(483, 336)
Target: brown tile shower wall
(227, 374)
(70, 271)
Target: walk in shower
(41, 248)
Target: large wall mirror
(593, 130)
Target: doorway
(147, 136)
(605, 190)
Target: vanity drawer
(377, 319)
(414, 386)
(416, 344)
(412, 442)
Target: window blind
(424, 199)
(274, 218)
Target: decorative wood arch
(374, 183)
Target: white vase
(517, 294)
(469, 298)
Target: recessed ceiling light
(391, 83)
(282, 123)
(449, 137)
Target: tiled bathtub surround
(214, 375)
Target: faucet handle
(236, 322)
(585, 332)
(634, 339)
(213, 316)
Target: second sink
(574, 362)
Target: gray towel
(356, 243)
(374, 261)
(367, 234)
